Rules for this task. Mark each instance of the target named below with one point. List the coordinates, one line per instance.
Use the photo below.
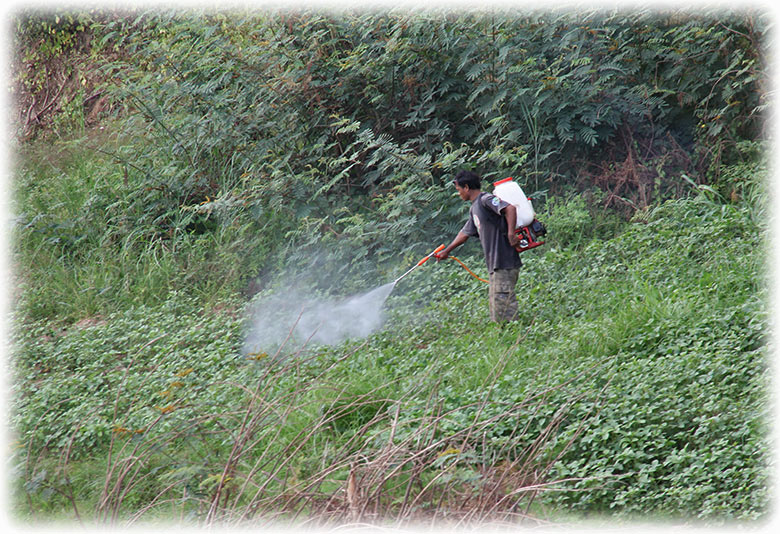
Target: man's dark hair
(468, 178)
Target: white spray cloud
(324, 322)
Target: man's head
(467, 183)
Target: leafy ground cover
(634, 385)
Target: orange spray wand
(426, 258)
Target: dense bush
(340, 131)
(253, 141)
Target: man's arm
(510, 213)
(458, 241)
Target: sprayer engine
(529, 236)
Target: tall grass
(85, 244)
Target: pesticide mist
(306, 320)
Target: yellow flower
(166, 409)
(451, 450)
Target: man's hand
(458, 241)
(513, 239)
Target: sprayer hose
(469, 270)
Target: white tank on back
(510, 192)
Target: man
(493, 221)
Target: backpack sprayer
(528, 227)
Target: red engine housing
(529, 238)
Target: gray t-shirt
(487, 223)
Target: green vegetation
(239, 154)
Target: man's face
(463, 192)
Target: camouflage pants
(503, 300)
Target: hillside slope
(635, 384)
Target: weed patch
(634, 385)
